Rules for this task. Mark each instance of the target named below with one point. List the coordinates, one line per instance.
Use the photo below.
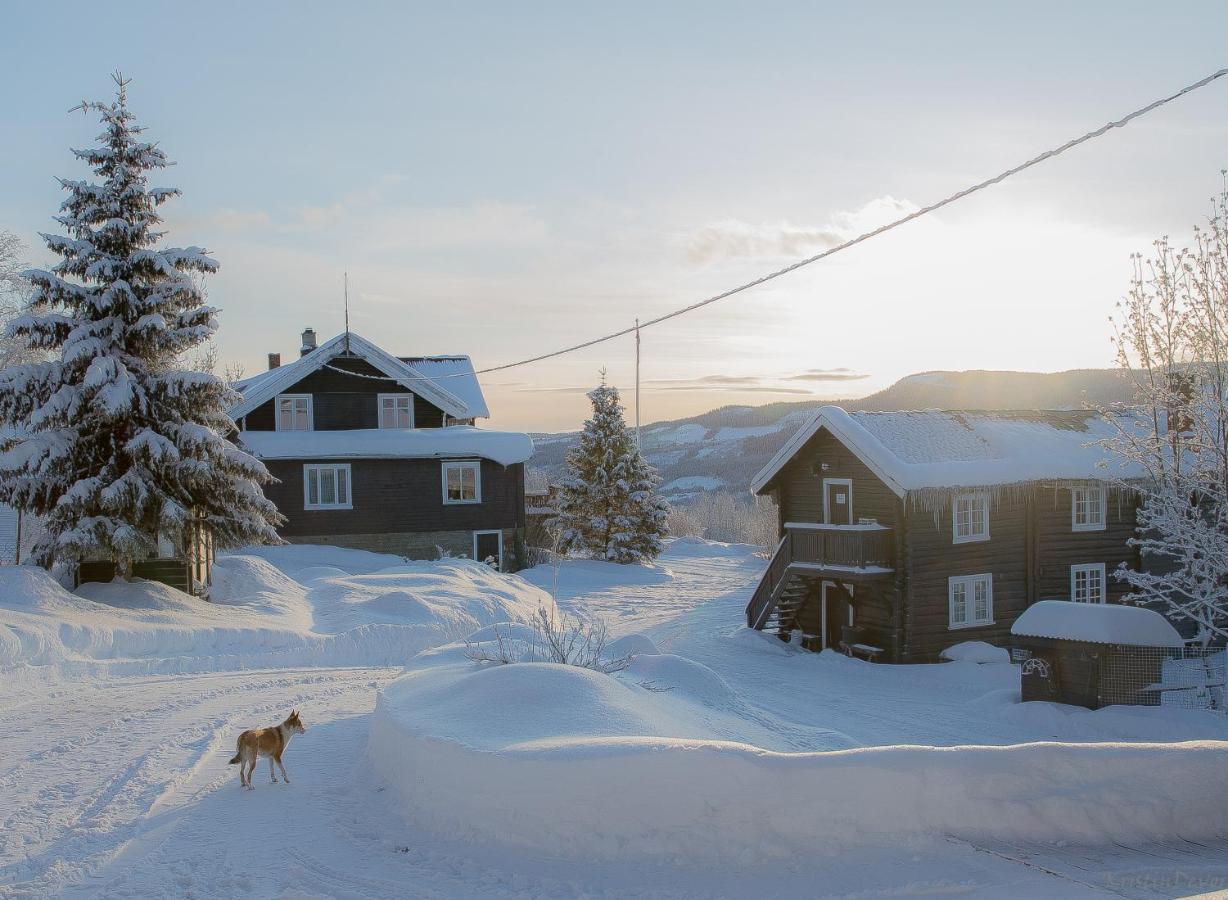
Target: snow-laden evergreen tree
(1172, 342)
(110, 442)
(608, 506)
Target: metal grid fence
(1186, 678)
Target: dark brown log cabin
(379, 452)
(906, 533)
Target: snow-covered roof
(453, 442)
(456, 374)
(453, 387)
(938, 449)
(1097, 623)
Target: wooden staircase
(810, 552)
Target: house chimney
(309, 341)
(274, 360)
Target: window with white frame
(970, 518)
(1088, 504)
(1087, 583)
(294, 412)
(396, 410)
(462, 482)
(327, 486)
(971, 600)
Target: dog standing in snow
(270, 742)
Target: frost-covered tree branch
(1172, 343)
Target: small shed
(1093, 654)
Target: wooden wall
(1059, 547)
(342, 401)
(800, 484)
(399, 495)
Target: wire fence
(1185, 678)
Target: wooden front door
(838, 501)
(837, 612)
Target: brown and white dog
(270, 742)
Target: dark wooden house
(905, 533)
(380, 452)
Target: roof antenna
(347, 313)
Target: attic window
(396, 410)
(294, 412)
(1087, 507)
(970, 518)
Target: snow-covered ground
(119, 709)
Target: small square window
(294, 412)
(462, 482)
(396, 410)
(970, 518)
(1087, 583)
(970, 600)
(1088, 504)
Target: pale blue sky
(504, 178)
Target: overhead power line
(861, 238)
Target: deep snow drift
(293, 605)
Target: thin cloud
(828, 375)
(734, 239)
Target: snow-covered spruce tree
(608, 506)
(116, 446)
(1172, 342)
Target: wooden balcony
(848, 553)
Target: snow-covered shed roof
(453, 387)
(912, 451)
(453, 442)
(1097, 623)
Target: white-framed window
(971, 600)
(396, 410)
(1087, 583)
(327, 486)
(294, 412)
(970, 518)
(462, 482)
(1088, 504)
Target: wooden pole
(637, 384)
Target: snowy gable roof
(457, 375)
(1097, 623)
(453, 442)
(912, 451)
(450, 393)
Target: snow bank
(1098, 623)
(585, 765)
(274, 606)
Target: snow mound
(138, 594)
(319, 573)
(631, 645)
(667, 672)
(1097, 623)
(977, 652)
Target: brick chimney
(274, 360)
(309, 341)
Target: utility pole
(347, 312)
(637, 384)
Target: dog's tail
(235, 761)
(238, 752)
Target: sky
(503, 180)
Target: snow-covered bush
(115, 447)
(553, 638)
(609, 507)
(720, 516)
(1172, 342)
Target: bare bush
(556, 639)
(720, 516)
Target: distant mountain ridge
(725, 447)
